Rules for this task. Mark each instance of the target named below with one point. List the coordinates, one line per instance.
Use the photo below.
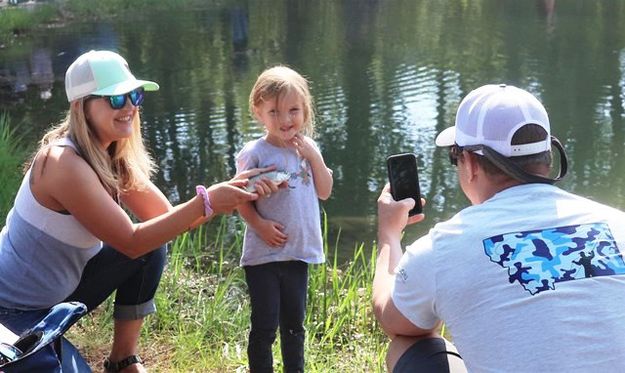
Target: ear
(76, 106)
(256, 113)
(472, 167)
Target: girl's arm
(321, 173)
(71, 183)
(322, 176)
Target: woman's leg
(293, 287)
(135, 282)
(126, 335)
(264, 288)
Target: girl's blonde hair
(124, 166)
(278, 81)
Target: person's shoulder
(465, 225)
(248, 156)
(252, 145)
(593, 207)
(63, 163)
(311, 140)
(422, 247)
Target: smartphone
(404, 179)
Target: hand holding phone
(404, 179)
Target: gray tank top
(42, 252)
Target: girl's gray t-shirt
(295, 207)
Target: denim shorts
(134, 282)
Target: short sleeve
(246, 158)
(414, 289)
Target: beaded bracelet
(201, 191)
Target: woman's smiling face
(109, 124)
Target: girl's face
(283, 118)
(109, 124)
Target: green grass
(12, 156)
(16, 21)
(110, 8)
(203, 312)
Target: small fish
(278, 177)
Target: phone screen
(404, 179)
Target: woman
(70, 203)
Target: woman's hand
(271, 232)
(264, 187)
(228, 195)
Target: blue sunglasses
(119, 101)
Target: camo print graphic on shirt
(539, 259)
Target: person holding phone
(530, 278)
(69, 236)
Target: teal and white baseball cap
(102, 73)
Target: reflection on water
(386, 75)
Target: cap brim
(447, 137)
(125, 87)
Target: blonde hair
(124, 166)
(278, 81)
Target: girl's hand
(228, 195)
(304, 146)
(322, 175)
(271, 232)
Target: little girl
(283, 232)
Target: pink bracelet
(201, 191)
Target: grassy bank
(203, 313)
(19, 20)
(12, 156)
(16, 21)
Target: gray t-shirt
(532, 280)
(296, 207)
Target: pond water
(387, 76)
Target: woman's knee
(156, 259)
(140, 286)
(159, 254)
